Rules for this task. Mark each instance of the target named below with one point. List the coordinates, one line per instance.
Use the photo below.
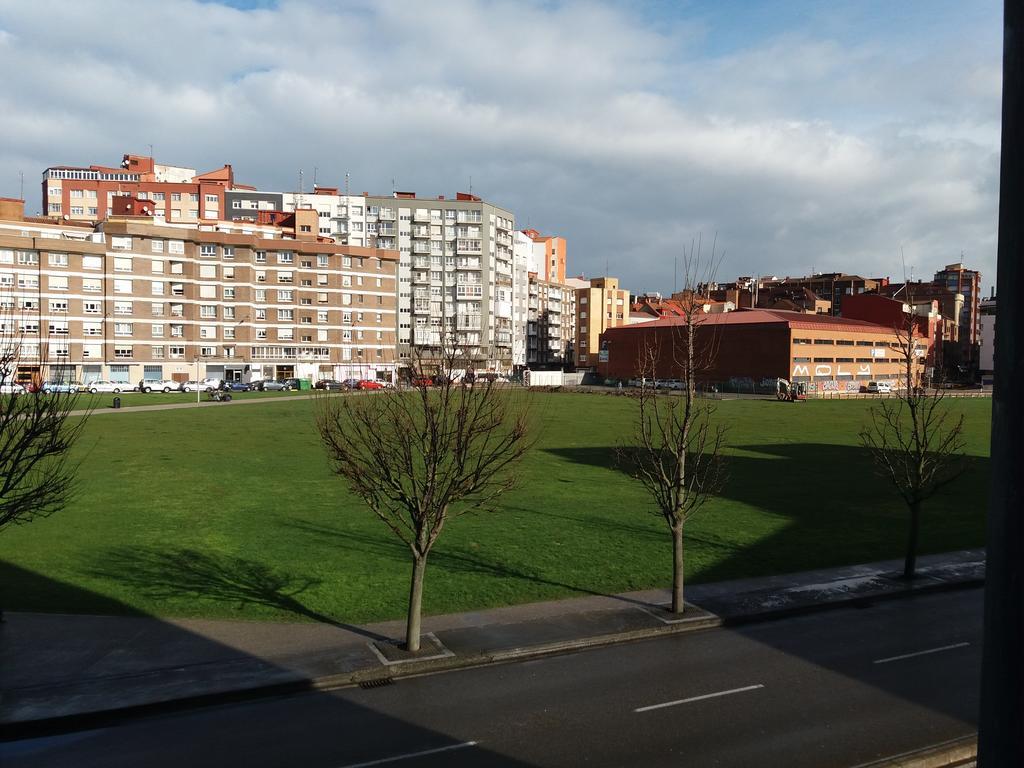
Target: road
(831, 689)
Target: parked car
(61, 387)
(290, 384)
(268, 385)
(209, 385)
(100, 385)
(350, 383)
(330, 385)
(163, 385)
(422, 381)
(371, 384)
(11, 388)
(238, 386)
(191, 385)
(878, 387)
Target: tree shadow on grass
(177, 572)
(457, 561)
(835, 508)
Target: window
(58, 282)
(92, 262)
(285, 314)
(261, 314)
(157, 330)
(207, 250)
(346, 281)
(122, 352)
(285, 334)
(261, 277)
(156, 266)
(208, 271)
(321, 260)
(229, 313)
(261, 294)
(176, 197)
(321, 298)
(156, 309)
(121, 243)
(122, 329)
(305, 301)
(211, 199)
(193, 197)
(229, 292)
(122, 307)
(122, 264)
(285, 257)
(58, 259)
(122, 286)
(207, 351)
(177, 331)
(158, 288)
(261, 334)
(229, 333)
(207, 291)
(207, 332)
(157, 246)
(175, 246)
(284, 277)
(260, 257)
(207, 310)
(157, 352)
(176, 352)
(321, 316)
(58, 305)
(284, 296)
(228, 251)
(91, 329)
(229, 273)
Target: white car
(879, 387)
(106, 386)
(165, 385)
(11, 388)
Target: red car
(370, 384)
(422, 381)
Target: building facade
(177, 194)
(551, 332)
(967, 282)
(600, 305)
(829, 354)
(138, 298)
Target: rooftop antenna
(392, 186)
(675, 275)
(471, 185)
(150, 151)
(300, 181)
(21, 195)
(315, 169)
(346, 182)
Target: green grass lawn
(233, 512)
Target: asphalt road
(832, 689)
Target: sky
(858, 136)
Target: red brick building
(177, 194)
(754, 346)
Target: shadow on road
(314, 729)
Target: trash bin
(305, 384)
(117, 402)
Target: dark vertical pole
(1001, 738)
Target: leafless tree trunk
(419, 455)
(914, 440)
(677, 452)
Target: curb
(948, 754)
(13, 731)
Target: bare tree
(913, 438)
(677, 450)
(37, 430)
(439, 446)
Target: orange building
(551, 255)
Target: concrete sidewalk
(66, 672)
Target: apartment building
(551, 328)
(548, 255)
(456, 272)
(175, 193)
(957, 278)
(600, 305)
(139, 298)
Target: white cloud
(798, 151)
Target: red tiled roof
(771, 316)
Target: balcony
(421, 231)
(466, 291)
(467, 322)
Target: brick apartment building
(86, 193)
(753, 346)
(135, 297)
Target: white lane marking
(411, 755)
(699, 698)
(921, 653)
